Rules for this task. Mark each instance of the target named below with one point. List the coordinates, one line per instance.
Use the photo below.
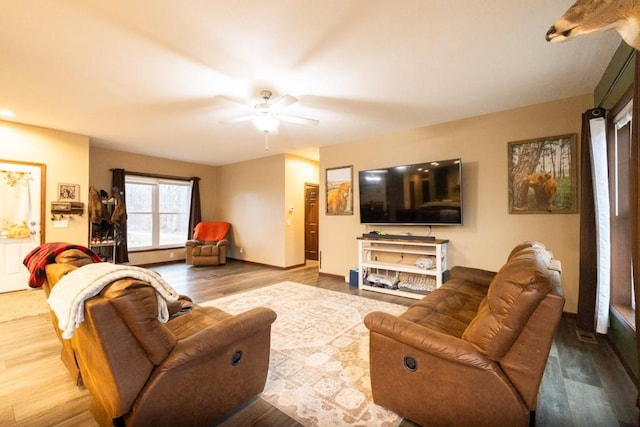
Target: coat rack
(60, 209)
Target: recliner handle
(236, 358)
(410, 363)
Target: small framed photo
(340, 191)
(68, 193)
(543, 175)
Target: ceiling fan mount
(265, 94)
(264, 105)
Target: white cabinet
(404, 267)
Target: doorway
(311, 213)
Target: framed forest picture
(543, 175)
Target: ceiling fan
(266, 117)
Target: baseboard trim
(157, 264)
(268, 265)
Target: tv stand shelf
(398, 237)
(404, 267)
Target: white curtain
(15, 204)
(603, 235)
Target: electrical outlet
(241, 250)
(171, 254)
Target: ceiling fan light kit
(266, 123)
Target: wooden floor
(584, 384)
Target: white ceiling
(154, 76)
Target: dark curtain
(118, 187)
(195, 214)
(634, 200)
(588, 281)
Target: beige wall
(489, 231)
(255, 197)
(66, 156)
(102, 160)
(251, 197)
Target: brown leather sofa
(209, 244)
(53, 272)
(473, 352)
(191, 370)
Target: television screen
(425, 193)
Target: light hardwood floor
(584, 384)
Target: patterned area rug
(19, 304)
(319, 370)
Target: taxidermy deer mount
(590, 16)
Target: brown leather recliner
(191, 370)
(209, 244)
(472, 352)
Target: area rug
(19, 304)
(319, 369)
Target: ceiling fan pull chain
(266, 140)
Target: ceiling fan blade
(238, 119)
(298, 120)
(283, 102)
(235, 102)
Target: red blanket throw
(45, 254)
(211, 231)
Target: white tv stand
(392, 257)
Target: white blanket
(68, 295)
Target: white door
(21, 186)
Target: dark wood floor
(584, 383)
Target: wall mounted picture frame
(68, 192)
(543, 175)
(339, 195)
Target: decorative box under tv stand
(397, 265)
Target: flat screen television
(427, 193)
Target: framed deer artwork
(543, 175)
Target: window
(157, 212)
(622, 296)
